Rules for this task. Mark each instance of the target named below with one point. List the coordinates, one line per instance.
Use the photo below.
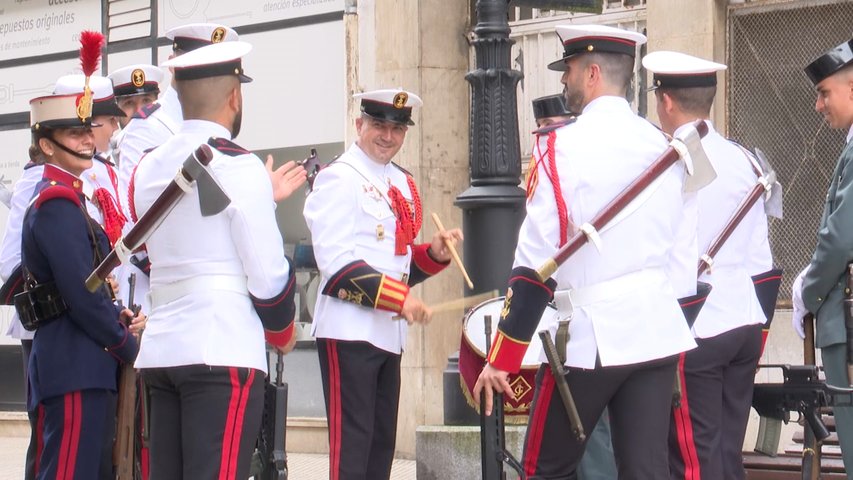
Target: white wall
(297, 96)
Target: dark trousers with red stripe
(35, 426)
(707, 430)
(76, 431)
(638, 398)
(361, 384)
(204, 421)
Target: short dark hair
(694, 100)
(618, 68)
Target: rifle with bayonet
(124, 449)
(273, 438)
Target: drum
(473, 352)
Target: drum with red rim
(472, 356)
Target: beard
(574, 99)
(236, 124)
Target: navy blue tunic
(83, 347)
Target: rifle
(124, 448)
(493, 453)
(273, 438)
(811, 445)
(312, 165)
(803, 392)
(848, 321)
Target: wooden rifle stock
(609, 212)
(737, 217)
(148, 222)
(124, 451)
(811, 445)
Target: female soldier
(80, 339)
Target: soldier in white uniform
(135, 86)
(597, 462)
(707, 429)
(626, 328)
(220, 284)
(364, 215)
(150, 127)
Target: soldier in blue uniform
(80, 339)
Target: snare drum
(472, 355)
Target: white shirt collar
(607, 102)
(690, 123)
(850, 134)
(381, 170)
(205, 127)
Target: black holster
(39, 304)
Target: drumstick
(463, 303)
(452, 250)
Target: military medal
(380, 232)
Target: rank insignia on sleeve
(507, 301)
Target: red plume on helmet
(90, 59)
(90, 51)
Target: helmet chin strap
(68, 150)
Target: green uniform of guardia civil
(823, 289)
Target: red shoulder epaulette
(145, 111)
(57, 191)
(227, 147)
(554, 126)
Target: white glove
(799, 308)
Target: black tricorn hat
(550, 106)
(830, 62)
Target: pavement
(303, 466)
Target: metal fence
(771, 106)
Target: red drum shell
(472, 357)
